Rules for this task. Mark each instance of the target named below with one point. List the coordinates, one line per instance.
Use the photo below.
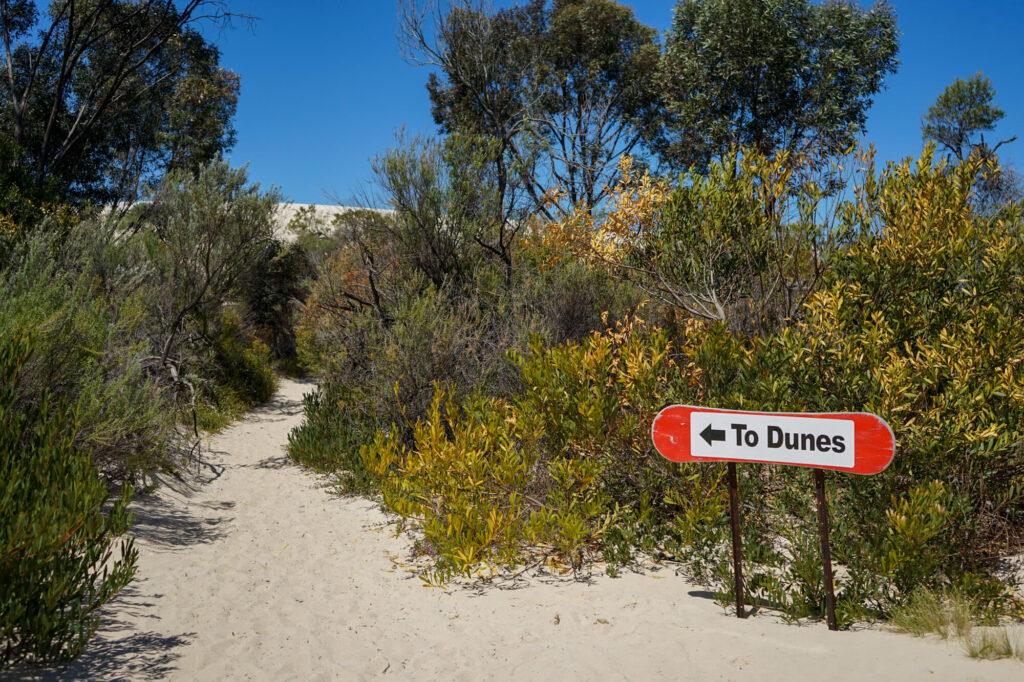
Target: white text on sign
(773, 438)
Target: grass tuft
(990, 643)
(928, 612)
(951, 613)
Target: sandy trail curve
(254, 571)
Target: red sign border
(871, 455)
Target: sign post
(854, 442)
(737, 540)
(826, 552)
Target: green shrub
(89, 351)
(271, 289)
(245, 371)
(467, 488)
(329, 438)
(235, 375)
(59, 557)
(130, 318)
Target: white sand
(325, 214)
(256, 572)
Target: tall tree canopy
(566, 87)
(595, 93)
(97, 95)
(770, 74)
(961, 116)
(958, 121)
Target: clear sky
(324, 88)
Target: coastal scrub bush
(202, 233)
(60, 559)
(336, 426)
(743, 242)
(430, 295)
(465, 479)
(272, 289)
(918, 321)
(564, 470)
(132, 315)
(234, 373)
(89, 326)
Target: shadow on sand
(120, 651)
(279, 408)
(167, 524)
(168, 520)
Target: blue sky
(324, 88)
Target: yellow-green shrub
(920, 321)
(566, 469)
(465, 478)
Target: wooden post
(737, 541)
(826, 554)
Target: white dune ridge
(322, 216)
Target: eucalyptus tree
(770, 75)
(565, 88)
(961, 116)
(958, 121)
(99, 94)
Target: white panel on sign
(773, 438)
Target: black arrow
(711, 435)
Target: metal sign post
(826, 552)
(737, 541)
(854, 442)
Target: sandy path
(256, 572)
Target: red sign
(855, 442)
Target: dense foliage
(422, 295)
(770, 75)
(563, 90)
(98, 97)
(918, 322)
(911, 313)
(148, 298)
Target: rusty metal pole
(737, 542)
(826, 553)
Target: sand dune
(324, 213)
(253, 571)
